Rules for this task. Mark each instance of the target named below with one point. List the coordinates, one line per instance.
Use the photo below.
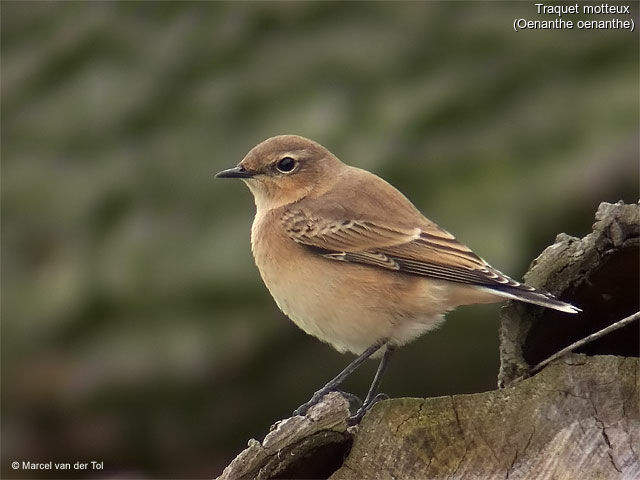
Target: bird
(350, 260)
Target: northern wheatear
(352, 261)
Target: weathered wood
(578, 418)
(298, 447)
(598, 273)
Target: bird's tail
(530, 295)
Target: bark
(578, 418)
(312, 446)
(598, 273)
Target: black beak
(236, 172)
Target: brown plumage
(350, 259)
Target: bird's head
(284, 169)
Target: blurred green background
(135, 327)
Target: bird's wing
(426, 251)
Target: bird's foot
(304, 408)
(354, 401)
(355, 419)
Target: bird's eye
(286, 165)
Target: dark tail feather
(534, 296)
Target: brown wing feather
(343, 236)
(428, 251)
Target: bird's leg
(372, 397)
(341, 377)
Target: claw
(304, 408)
(337, 380)
(355, 419)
